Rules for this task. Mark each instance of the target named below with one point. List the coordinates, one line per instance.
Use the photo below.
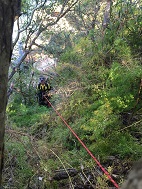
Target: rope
(98, 163)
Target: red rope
(105, 172)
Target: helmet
(42, 78)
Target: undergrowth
(99, 95)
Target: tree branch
(41, 28)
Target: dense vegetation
(98, 91)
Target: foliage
(110, 85)
(58, 42)
(16, 156)
(99, 82)
(25, 116)
(123, 83)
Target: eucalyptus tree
(90, 15)
(34, 30)
(8, 12)
(37, 16)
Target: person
(43, 89)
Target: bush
(25, 116)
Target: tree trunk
(106, 19)
(134, 180)
(6, 29)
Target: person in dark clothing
(43, 89)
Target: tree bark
(6, 25)
(106, 19)
(134, 180)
